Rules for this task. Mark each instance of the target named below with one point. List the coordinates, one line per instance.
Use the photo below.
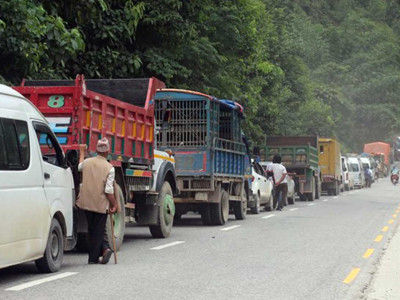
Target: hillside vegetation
(327, 67)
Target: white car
(36, 187)
(347, 175)
(261, 190)
(356, 170)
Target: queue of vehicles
(173, 151)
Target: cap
(103, 145)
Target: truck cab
(36, 187)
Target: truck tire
(336, 189)
(255, 210)
(205, 214)
(317, 189)
(219, 212)
(270, 205)
(311, 196)
(166, 213)
(53, 255)
(240, 207)
(119, 223)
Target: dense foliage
(299, 67)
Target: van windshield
(355, 168)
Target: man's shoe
(106, 256)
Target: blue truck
(205, 137)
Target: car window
(355, 167)
(14, 145)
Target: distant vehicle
(36, 187)
(290, 182)
(329, 162)
(300, 157)
(347, 175)
(261, 190)
(380, 148)
(355, 168)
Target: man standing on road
(96, 197)
(280, 181)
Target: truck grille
(138, 184)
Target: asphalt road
(326, 249)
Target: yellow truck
(329, 163)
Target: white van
(36, 187)
(365, 161)
(347, 175)
(356, 170)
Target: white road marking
(40, 281)
(167, 245)
(335, 197)
(267, 217)
(311, 204)
(293, 209)
(325, 200)
(231, 227)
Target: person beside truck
(280, 181)
(96, 198)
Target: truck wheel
(317, 189)
(166, 213)
(311, 196)
(336, 189)
(119, 223)
(219, 212)
(205, 214)
(256, 209)
(53, 255)
(270, 205)
(240, 207)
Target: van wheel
(256, 209)
(53, 255)
(166, 212)
(118, 222)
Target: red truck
(377, 150)
(84, 111)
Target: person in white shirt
(280, 181)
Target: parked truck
(84, 111)
(204, 133)
(379, 150)
(330, 165)
(300, 157)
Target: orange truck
(377, 150)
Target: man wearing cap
(96, 197)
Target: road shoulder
(385, 285)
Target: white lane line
(267, 217)
(311, 204)
(335, 197)
(293, 209)
(167, 245)
(325, 200)
(231, 227)
(40, 281)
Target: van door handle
(46, 176)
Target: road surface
(327, 249)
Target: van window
(355, 167)
(51, 150)
(14, 145)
